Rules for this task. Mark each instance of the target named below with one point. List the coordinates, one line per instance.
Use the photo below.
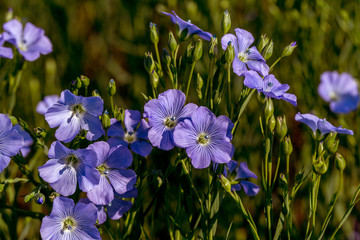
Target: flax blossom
(72, 113)
(205, 137)
(164, 114)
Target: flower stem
(190, 77)
(229, 105)
(243, 106)
(209, 79)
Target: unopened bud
(283, 180)
(13, 120)
(40, 132)
(226, 22)
(154, 36)
(269, 109)
(281, 127)
(268, 50)
(229, 53)
(149, 62)
(166, 57)
(272, 123)
(225, 183)
(53, 195)
(85, 80)
(154, 78)
(287, 146)
(112, 87)
(77, 83)
(9, 15)
(119, 114)
(172, 44)
(287, 51)
(198, 51)
(264, 40)
(213, 47)
(340, 162)
(320, 166)
(330, 143)
(95, 93)
(39, 198)
(105, 119)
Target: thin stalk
(229, 93)
(243, 106)
(14, 84)
(273, 65)
(112, 105)
(158, 56)
(209, 79)
(189, 80)
(24, 212)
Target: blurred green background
(107, 39)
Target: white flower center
(68, 224)
(78, 110)
(22, 45)
(170, 122)
(203, 139)
(130, 137)
(243, 56)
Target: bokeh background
(105, 39)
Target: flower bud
(330, 143)
(229, 53)
(287, 51)
(77, 83)
(172, 44)
(320, 148)
(340, 162)
(200, 83)
(287, 146)
(95, 93)
(154, 78)
(166, 57)
(85, 80)
(320, 166)
(9, 15)
(269, 109)
(225, 183)
(264, 40)
(53, 195)
(281, 127)
(198, 51)
(213, 47)
(271, 123)
(226, 22)
(149, 62)
(111, 88)
(268, 50)
(29, 196)
(283, 180)
(119, 114)
(154, 36)
(189, 51)
(39, 198)
(40, 132)
(105, 119)
(183, 35)
(13, 120)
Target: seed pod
(264, 40)
(281, 127)
(198, 51)
(340, 162)
(225, 183)
(85, 80)
(268, 50)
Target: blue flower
(320, 124)
(5, 51)
(73, 113)
(341, 90)
(205, 137)
(136, 134)
(30, 41)
(69, 222)
(245, 57)
(242, 172)
(164, 114)
(269, 86)
(188, 26)
(48, 102)
(28, 141)
(66, 167)
(10, 141)
(111, 165)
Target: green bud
(119, 114)
(111, 87)
(287, 51)
(283, 180)
(271, 123)
(2, 186)
(340, 162)
(189, 51)
(166, 57)
(40, 132)
(330, 142)
(213, 47)
(320, 148)
(9, 15)
(281, 127)
(269, 109)
(229, 53)
(154, 78)
(154, 36)
(172, 44)
(13, 120)
(85, 80)
(149, 62)
(28, 197)
(225, 183)
(268, 50)
(267, 146)
(198, 51)
(95, 93)
(77, 83)
(105, 119)
(287, 146)
(200, 83)
(264, 40)
(320, 166)
(183, 35)
(226, 22)
(53, 195)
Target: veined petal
(56, 114)
(119, 158)
(229, 38)
(245, 39)
(253, 80)
(87, 177)
(116, 130)
(131, 119)
(185, 134)
(66, 182)
(14, 29)
(250, 188)
(259, 66)
(122, 180)
(101, 150)
(201, 119)
(200, 156)
(93, 105)
(93, 125)
(142, 148)
(220, 151)
(10, 142)
(239, 67)
(85, 214)
(243, 172)
(308, 119)
(68, 129)
(4, 162)
(117, 208)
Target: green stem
(189, 80)
(112, 105)
(158, 56)
(229, 105)
(243, 106)
(14, 84)
(209, 79)
(273, 65)
(24, 212)
(315, 183)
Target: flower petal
(122, 180)
(245, 39)
(119, 158)
(200, 156)
(131, 120)
(142, 148)
(118, 208)
(243, 172)
(250, 188)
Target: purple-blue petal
(250, 188)
(243, 172)
(142, 148)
